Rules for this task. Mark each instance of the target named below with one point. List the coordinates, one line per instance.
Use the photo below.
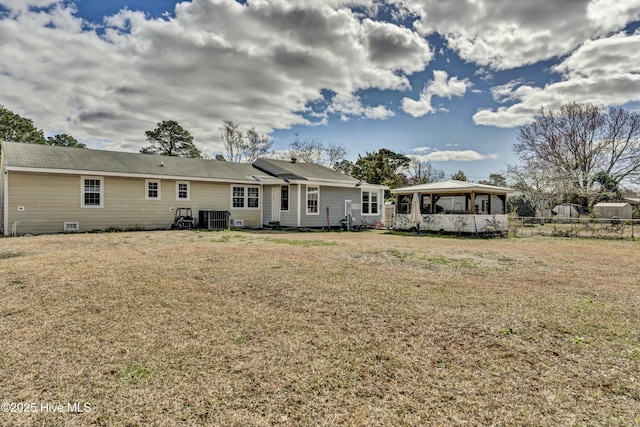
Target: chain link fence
(597, 228)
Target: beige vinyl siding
(3, 230)
(49, 200)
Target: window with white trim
(152, 189)
(245, 197)
(92, 192)
(313, 199)
(182, 190)
(369, 203)
(253, 197)
(237, 195)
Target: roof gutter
(453, 191)
(339, 184)
(246, 180)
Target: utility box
(213, 220)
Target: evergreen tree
(171, 139)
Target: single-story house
(57, 189)
(45, 189)
(613, 210)
(452, 206)
(312, 195)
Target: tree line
(19, 129)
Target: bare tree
(334, 153)
(543, 187)
(423, 172)
(581, 140)
(232, 137)
(308, 150)
(256, 145)
(243, 146)
(314, 151)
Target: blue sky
(448, 82)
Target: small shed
(611, 210)
(568, 210)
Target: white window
(245, 197)
(253, 197)
(237, 195)
(369, 203)
(313, 199)
(182, 190)
(152, 189)
(92, 192)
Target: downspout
(299, 204)
(261, 201)
(6, 203)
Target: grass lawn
(318, 329)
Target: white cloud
(504, 34)
(260, 64)
(418, 108)
(422, 149)
(503, 93)
(454, 155)
(21, 5)
(348, 104)
(440, 87)
(603, 72)
(378, 113)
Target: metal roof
(452, 186)
(47, 158)
(302, 171)
(610, 205)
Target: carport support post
(473, 203)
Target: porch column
(432, 203)
(489, 203)
(473, 203)
(503, 199)
(435, 200)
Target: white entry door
(275, 204)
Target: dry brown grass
(252, 328)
